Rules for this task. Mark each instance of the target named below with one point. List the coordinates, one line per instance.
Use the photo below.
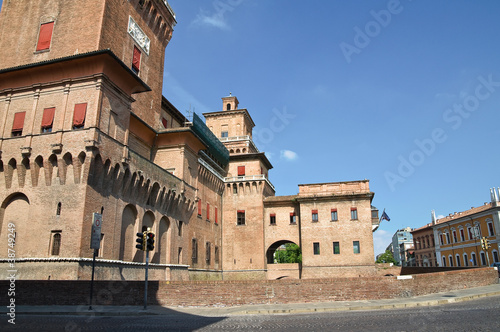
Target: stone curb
(370, 307)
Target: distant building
(402, 245)
(458, 235)
(424, 246)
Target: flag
(385, 216)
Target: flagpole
(380, 219)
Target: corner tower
(246, 186)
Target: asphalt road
(478, 315)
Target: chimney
(494, 196)
(433, 217)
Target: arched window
(228, 107)
(56, 243)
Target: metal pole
(92, 280)
(146, 281)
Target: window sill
(42, 51)
(272, 224)
(293, 223)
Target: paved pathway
(417, 301)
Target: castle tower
(246, 186)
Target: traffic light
(487, 244)
(483, 243)
(150, 241)
(141, 240)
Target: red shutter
(45, 36)
(241, 170)
(48, 117)
(18, 121)
(208, 211)
(334, 210)
(273, 214)
(241, 211)
(353, 209)
(79, 114)
(216, 219)
(199, 207)
(136, 59)
(164, 122)
(292, 214)
(315, 211)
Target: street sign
(95, 239)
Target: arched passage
(278, 245)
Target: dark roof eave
(79, 56)
(260, 155)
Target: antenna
(189, 116)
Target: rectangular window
(448, 238)
(17, 126)
(336, 248)
(455, 236)
(136, 60)
(180, 228)
(45, 36)
(48, 119)
(469, 230)
(315, 215)
(293, 218)
(458, 260)
(79, 115)
(483, 259)
(334, 214)
(355, 247)
(241, 170)
(194, 247)
(462, 235)
(316, 248)
(490, 229)
(216, 217)
(240, 217)
(216, 255)
(199, 206)
(164, 122)
(474, 261)
(223, 134)
(208, 211)
(354, 213)
(466, 260)
(207, 253)
(272, 218)
(441, 239)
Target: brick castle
(84, 128)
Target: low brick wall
(207, 293)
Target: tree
(386, 257)
(291, 254)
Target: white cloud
(288, 155)
(381, 239)
(215, 20)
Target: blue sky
(403, 93)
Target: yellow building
(458, 235)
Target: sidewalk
(264, 309)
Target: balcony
(259, 177)
(239, 138)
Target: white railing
(249, 178)
(239, 138)
(210, 168)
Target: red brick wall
(200, 293)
